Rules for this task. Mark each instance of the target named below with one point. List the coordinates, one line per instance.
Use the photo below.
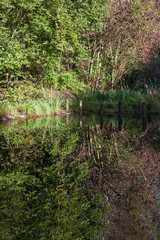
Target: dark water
(64, 182)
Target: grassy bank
(131, 101)
(29, 101)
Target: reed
(128, 98)
(32, 107)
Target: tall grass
(46, 104)
(128, 97)
(153, 100)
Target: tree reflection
(126, 170)
(59, 182)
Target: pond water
(63, 179)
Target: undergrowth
(31, 101)
(27, 101)
(131, 100)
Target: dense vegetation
(77, 45)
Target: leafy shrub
(69, 80)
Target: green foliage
(68, 80)
(43, 107)
(126, 96)
(129, 99)
(25, 101)
(153, 101)
(2, 110)
(75, 45)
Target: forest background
(92, 48)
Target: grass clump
(43, 106)
(26, 101)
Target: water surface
(64, 180)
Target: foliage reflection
(65, 182)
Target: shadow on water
(94, 177)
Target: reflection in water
(61, 183)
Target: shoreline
(7, 118)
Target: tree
(131, 37)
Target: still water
(65, 180)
